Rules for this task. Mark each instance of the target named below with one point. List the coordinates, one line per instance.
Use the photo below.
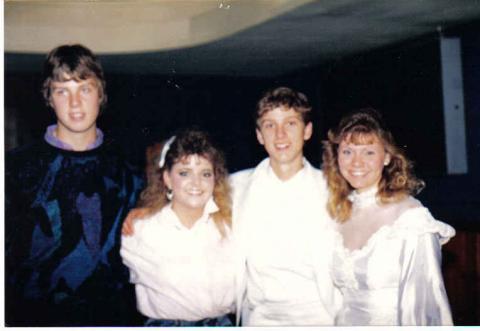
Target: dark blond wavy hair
(283, 97)
(187, 142)
(398, 180)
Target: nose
(74, 100)
(357, 159)
(196, 179)
(279, 131)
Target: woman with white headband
(181, 257)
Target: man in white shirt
(282, 229)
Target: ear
(387, 159)
(167, 180)
(50, 103)
(260, 137)
(308, 131)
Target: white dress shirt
(180, 273)
(285, 239)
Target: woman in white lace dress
(387, 257)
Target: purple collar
(54, 141)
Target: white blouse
(395, 278)
(180, 273)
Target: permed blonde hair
(398, 180)
(187, 142)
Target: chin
(197, 205)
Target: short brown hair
(283, 97)
(75, 62)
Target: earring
(169, 194)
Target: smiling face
(76, 105)
(361, 162)
(192, 182)
(283, 133)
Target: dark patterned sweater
(63, 216)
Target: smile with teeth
(282, 146)
(357, 173)
(195, 192)
(77, 116)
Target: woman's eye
(207, 174)
(346, 152)
(183, 173)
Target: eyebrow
(56, 87)
(84, 82)
(294, 118)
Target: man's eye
(183, 173)
(86, 89)
(59, 91)
(268, 125)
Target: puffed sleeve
(422, 295)
(141, 261)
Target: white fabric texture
(395, 278)
(284, 238)
(180, 273)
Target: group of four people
(281, 244)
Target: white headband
(165, 149)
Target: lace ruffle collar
(364, 199)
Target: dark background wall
(143, 109)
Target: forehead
(193, 160)
(280, 113)
(72, 81)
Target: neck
(371, 190)
(188, 217)
(286, 171)
(78, 141)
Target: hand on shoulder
(133, 216)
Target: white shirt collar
(210, 208)
(265, 169)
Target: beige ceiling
(231, 37)
(131, 26)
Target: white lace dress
(395, 278)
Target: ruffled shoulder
(418, 221)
